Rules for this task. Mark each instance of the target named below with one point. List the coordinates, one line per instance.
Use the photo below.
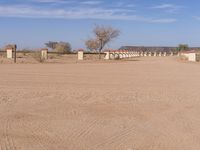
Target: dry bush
(53, 55)
(92, 44)
(25, 52)
(37, 56)
(2, 55)
(59, 47)
(63, 47)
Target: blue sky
(31, 23)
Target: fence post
(150, 54)
(107, 57)
(80, 55)
(15, 53)
(11, 52)
(44, 54)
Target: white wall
(190, 56)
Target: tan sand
(151, 104)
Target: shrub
(37, 56)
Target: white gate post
(80, 54)
(44, 54)
(107, 57)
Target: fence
(52, 57)
(55, 57)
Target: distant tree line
(182, 47)
(103, 35)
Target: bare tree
(103, 35)
(92, 44)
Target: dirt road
(150, 104)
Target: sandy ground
(150, 104)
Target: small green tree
(183, 47)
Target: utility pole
(15, 53)
(101, 47)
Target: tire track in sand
(8, 141)
(35, 139)
(118, 138)
(78, 135)
(43, 139)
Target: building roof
(189, 51)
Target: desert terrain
(144, 104)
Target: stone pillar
(121, 55)
(112, 55)
(142, 54)
(130, 54)
(160, 54)
(172, 54)
(150, 54)
(155, 54)
(127, 54)
(165, 54)
(44, 54)
(107, 57)
(9, 53)
(116, 55)
(145, 54)
(80, 55)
